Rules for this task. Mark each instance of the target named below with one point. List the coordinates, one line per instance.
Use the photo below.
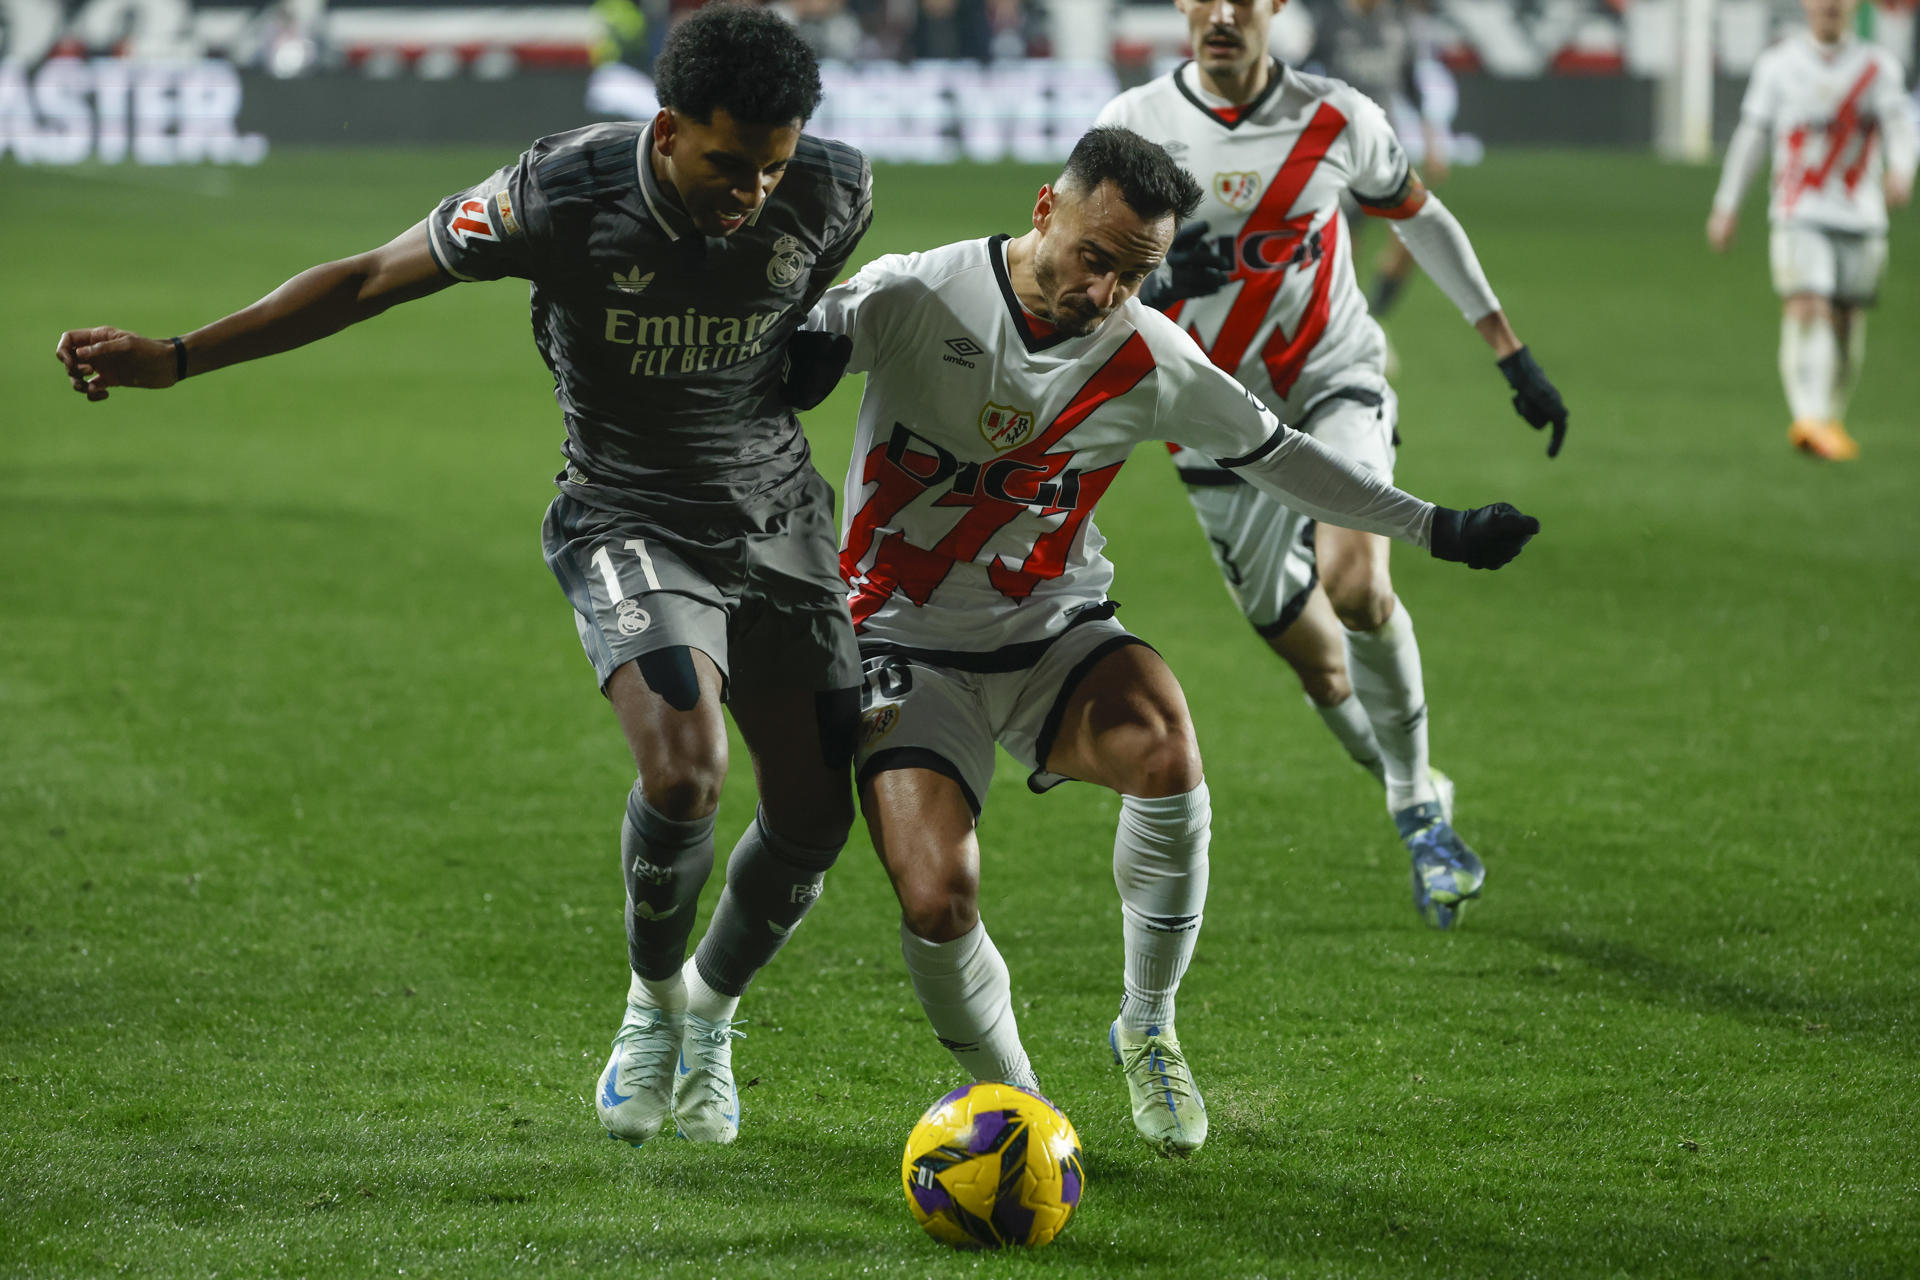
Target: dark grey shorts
(761, 594)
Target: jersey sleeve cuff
(440, 258)
(1264, 448)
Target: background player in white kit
(1267, 289)
(1008, 381)
(1843, 151)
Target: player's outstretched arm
(1317, 481)
(319, 301)
(1439, 244)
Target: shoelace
(708, 1047)
(1160, 1067)
(653, 1056)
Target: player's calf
(772, 882)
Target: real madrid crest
(788, 263)
(1237, 190)
(631, 618)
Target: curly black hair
(1150, 181)
(751, 63)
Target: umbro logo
(632, 281)
(961, 348)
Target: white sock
(1384, 665)
(1347, 719)
(669, 994)
(702, 1000)
(1160, 868)
(965, 989)
(1809, 363)
(1846, 373)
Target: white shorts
(920, 714)
(1842, 265)
(1265, 549)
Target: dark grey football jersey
(665, 345)
(1374, 51)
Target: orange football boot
(1827, 440)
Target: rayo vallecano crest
(1237, 190)
(1005, 427)
(788, 263)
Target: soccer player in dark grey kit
(691, 533)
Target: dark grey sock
(771, 881)
(665, 864)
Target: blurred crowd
(858, 30)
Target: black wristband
(179, 359)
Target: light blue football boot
(706, 1106)
(636, 1086)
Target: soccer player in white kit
(1008, 380)
(1267, 288)
(1843, 151)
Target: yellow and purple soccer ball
(991, 1165)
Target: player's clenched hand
(815, 362)
(96, 359)
(1195, 267)
(1534, 398)
(1483, 538)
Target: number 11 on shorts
(603, 561)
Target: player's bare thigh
(1126, 727)
(806, 795)
(1353, 569)
(681, 755)
(923, 830)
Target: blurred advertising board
(184, 81)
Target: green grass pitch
(310, 934)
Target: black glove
(815, 361)
(1534, 398)
(1483, 538)
(1195, 267)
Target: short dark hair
(751, 63)
(1150, 181)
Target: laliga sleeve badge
(630, 617)
(788, 264)
(470, 222)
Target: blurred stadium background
(160, 81)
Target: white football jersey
(1292, 325)
(984, 440)
(1828, 108)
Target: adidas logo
(632, 281)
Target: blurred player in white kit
(1844, 149)
(1265, 285)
